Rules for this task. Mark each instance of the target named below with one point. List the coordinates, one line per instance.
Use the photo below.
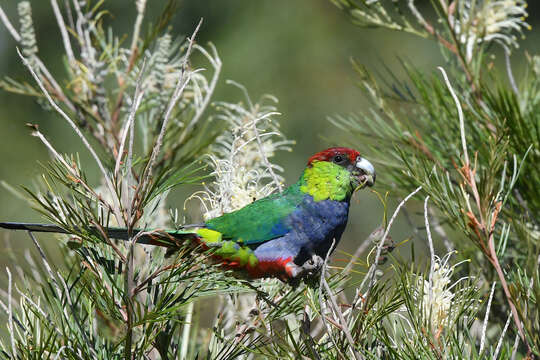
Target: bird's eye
(338, 159)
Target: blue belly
(313, 226)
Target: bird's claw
(308, 269)
(313, 265)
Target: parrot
(285, 235)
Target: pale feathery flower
(242, 174)
(438, 300)
(490, 20)
(166, 65)
(240, 159)
(437, 304)
(28, 34)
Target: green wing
(260, 221)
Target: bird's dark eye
(338, 159)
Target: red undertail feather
(279, 268)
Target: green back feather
(261, 220)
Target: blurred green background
(298, 50)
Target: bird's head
(336, 173)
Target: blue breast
(314, 225)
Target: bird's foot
(307, 270)
(313, 265)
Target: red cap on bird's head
(328, 154)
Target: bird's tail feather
(166, 238)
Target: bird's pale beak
(366, 170)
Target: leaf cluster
(472, 144)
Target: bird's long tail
(229, 254)
(166, 238)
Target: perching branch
(371, 272)
(342, 322)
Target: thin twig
(129, 276)
(515, 347)
(129, 127)
(216, 63)
(375, 234)
(495, 262)
(10, 317)
(52, 82)
(129, 166)
(69, 168)
(83, 33)
(373, 268)
(484, 326)
(265, 158)
(324, 319)
(59, 352)
(416, 13)
(69, 14)
(467, 168)
(186, 331)
(414, 227)
(499, 343)
(128, 301)
(52, 277)
(9, 26)
(432, 31)
(431, 253)
(469, 174)
(74, 126)
(74, 313)
(134, 106)
(78, 22)
(38, 62)
(141, 6)
(181, 84)
(431, 249)
(460, 115)
(337, 310)
(509, 71)
(305, 330)
(64, 33)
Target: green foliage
(479, 167)
(146, 109)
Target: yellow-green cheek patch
(325, 180)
